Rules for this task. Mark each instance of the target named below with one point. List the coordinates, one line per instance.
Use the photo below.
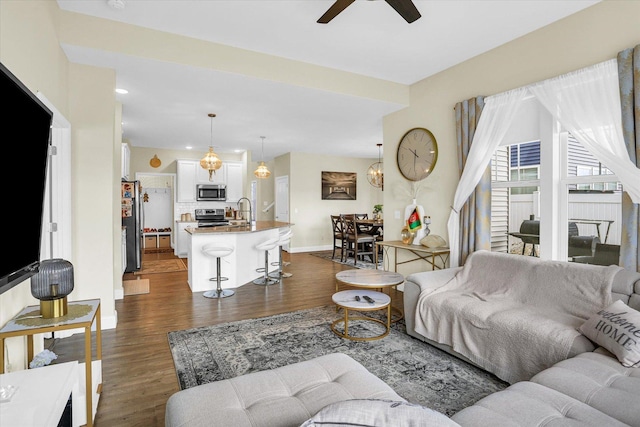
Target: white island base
(240, 266)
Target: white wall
(310, 214)
(158, 209)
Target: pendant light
(375, 176)
(211, 162)
(262, 171)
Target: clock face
(417, 154)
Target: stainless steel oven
(211, 192)
(210, 217)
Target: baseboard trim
(310, 249)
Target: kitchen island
(240, 266)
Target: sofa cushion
(285, 396)
(616, 328)
(530, 404)
(376, 412)
(600, 381)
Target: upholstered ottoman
(285, 396)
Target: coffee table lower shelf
(347, 301)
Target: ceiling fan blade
(406, 9)
(334, 10)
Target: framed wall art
(338, 185)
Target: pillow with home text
(616, 328)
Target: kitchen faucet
(250, 209)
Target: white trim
(61, 241)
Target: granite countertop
(258, 226)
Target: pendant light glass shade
(211, 162)
(262, 171)
(375, 174)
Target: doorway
(158, 201)
(282, 198)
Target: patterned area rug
(361, 264)
(415, 370)
(161, 266)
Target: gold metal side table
(80, 314)
(420, 252)
(347, 301)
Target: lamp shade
(51, 285)
(262, 171)
(211, 162)
(375, 174)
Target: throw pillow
(616, 328)
(433, 241)
(374, 412)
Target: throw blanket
(514, 315)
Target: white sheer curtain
(587, 103)
(497, 115)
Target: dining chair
(357, 243)
(337, 226)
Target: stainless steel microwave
(211, 192)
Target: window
(552, 183)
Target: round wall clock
(417, 154)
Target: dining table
(370, 226)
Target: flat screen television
(26, 135)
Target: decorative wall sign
(155, 161)
(338, 185)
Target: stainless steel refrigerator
(132, 220)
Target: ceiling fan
(405, 8)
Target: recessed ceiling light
(188, 147)
(122, 91)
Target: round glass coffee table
(355, 300)
(372, 280)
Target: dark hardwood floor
(138, 374)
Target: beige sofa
(590, 389)
(491, 267)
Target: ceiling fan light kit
(405, 8)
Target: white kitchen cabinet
(186, 171)
(126, 161)
(181, 248)
(220, 177)
(234, 181)
(190, 174)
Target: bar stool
(285, 238)
(218, 251)
(266, 246)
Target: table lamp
(51, 285)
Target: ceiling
(168, 103)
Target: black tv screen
(26, 128)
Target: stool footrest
(215, 279)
